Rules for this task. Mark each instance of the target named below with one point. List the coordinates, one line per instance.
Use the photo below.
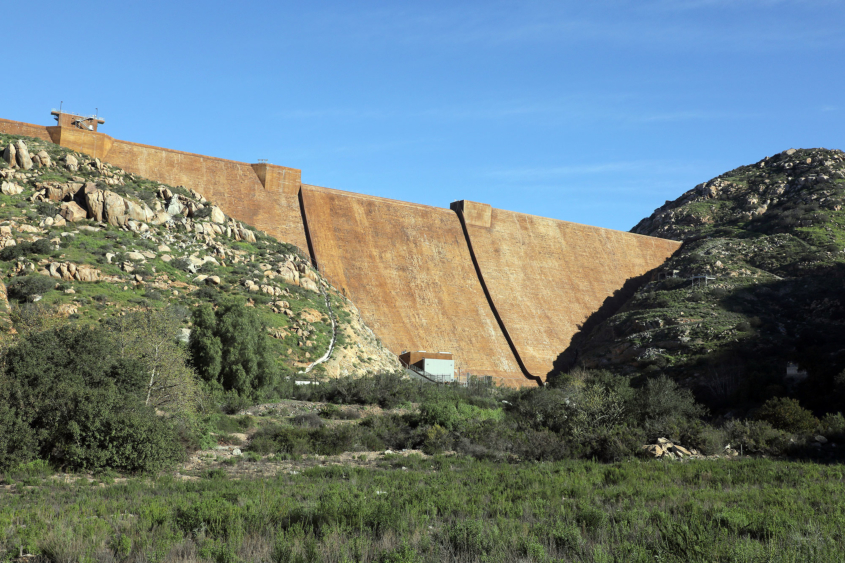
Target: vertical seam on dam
(492, 305)
(307, 230)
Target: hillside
(84, 240)
(769, 237)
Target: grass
(439, 509)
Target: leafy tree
(663, 408)
(229, 347)
(787, 414)
(542, 408)
(23, 288)
(76, 401)
(150, 337)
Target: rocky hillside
(84, 240)
(752, 305)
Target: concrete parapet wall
(408, 269)
(235, 186)
(546, 277)
(26, 129)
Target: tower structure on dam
(504, 292)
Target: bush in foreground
(71, 398)
(787, 414)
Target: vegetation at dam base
(494, 481)
(442, 508)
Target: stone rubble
(666, 449)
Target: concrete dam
(503, 292)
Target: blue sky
(593, 112)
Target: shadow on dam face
(546, 277)
(504, 292)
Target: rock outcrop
(162, 243)
(755, 287)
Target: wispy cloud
(659, 23)
(620, 108)
(655, 168)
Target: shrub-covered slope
(87, 241)
(765, 242)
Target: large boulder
(72, 212)
(55, 193)
(44, 158)
(95, 202)
(217, 215)
(289, 273)
(9, 155)
(139, 212)
(242, 233)
(87, 273)
(8, 188)
(22, 156)
(106, 206)
(71, 163)
(161, 218)
(174, 206)
(309, 284)
(114, 209)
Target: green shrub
(329, 411)
(756, 436)
(111, 430)
(703, 437)
(471, 537)
(787, 414)
(202, 213)
(439, 413)
(612, 444)
(833, 424)
(663, 408)
(41, 246)
(436, 440)
(276, 438)
(232, 423)
(23, 288)
(308, 420)
(566, 536)
(391, 431)
(181, 264)
(215, 516)
(403, 554)
(541, 408)
(77, 402)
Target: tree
(787, 414)
(229, 347)
(664, 409)
(70, 396)
(150, 337)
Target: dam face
(503, 292)
(408, 269)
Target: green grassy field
(405, 509)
